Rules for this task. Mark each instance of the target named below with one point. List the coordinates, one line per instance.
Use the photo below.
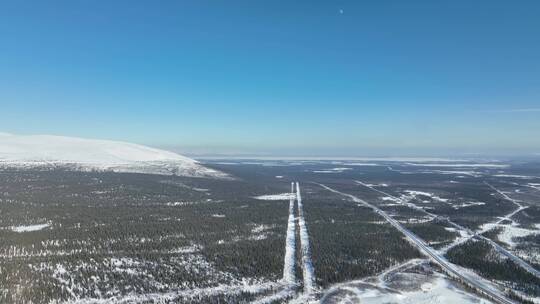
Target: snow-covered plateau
(47, 151)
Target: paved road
(431, 253)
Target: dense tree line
(481, 257)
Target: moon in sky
(341, 11)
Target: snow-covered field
(411, 289)
(276, 197)
(510, 232)
(333, 170)
(467, 204)
(516, 176)
(413, 193)
(459, 165)
(29, 228)
(46, 151)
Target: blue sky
(281, 77)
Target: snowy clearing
(29, 228)
(431, 291)
(456, 172)
(276, 197)
(509, 232)
(516, 176)
(361, 164)
(173, 296)
(467, 204)
(333, 170)
(458, 165)
(427, 194)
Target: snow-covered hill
(46, 151)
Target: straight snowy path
(308, 271)
(288, 289)
(290, 245)
(450, 268)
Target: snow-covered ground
(29, 228)
(362, 164)
(30, 151)
(336, 158)
(516, 176)
(509, 232)
(277, 197)
(467, 204)
(417, 289)
(464, 165)
(534, 185)
(188, 258)
(426, 194)
(455, 172)
(333, 170)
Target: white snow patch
(176, 204)
(482, 165)
(459, 173)
(427, 194)
(340, 169)
(361, 164)
(509, 232)
(276, 197)
(175, 296)
(335, 158)
(467, 204)
(534, 185)
(187, 249)
(436, 291)
(515, 176)
(333, 170)
(29, 228)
